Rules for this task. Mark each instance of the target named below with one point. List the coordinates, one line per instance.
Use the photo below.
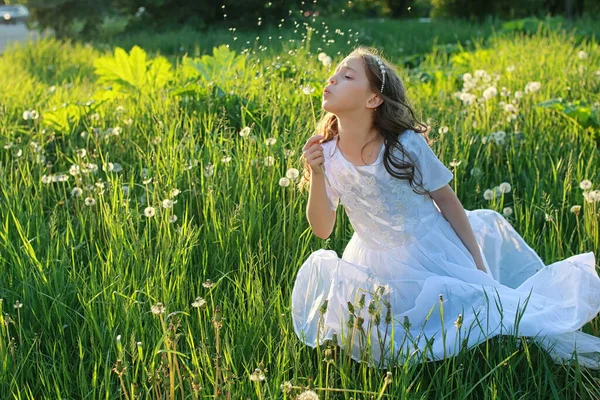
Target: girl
(415, 249)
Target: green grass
(87, 276)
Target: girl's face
(348, 88)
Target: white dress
(406, 257)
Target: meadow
(151, 226)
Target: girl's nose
(331, 80)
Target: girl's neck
(355, 134)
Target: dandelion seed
(167, 203)
(118, 338)
(443, 130)
(585, 184)
(576, 209)
(507, 211)
(225, 159)
(455, 163)
(548, 217)
(149, 212)
(505, 187)
(81, 153)
(147, 181)
(90, 201)
(284, 182)
(158, 308)
(76, 192)
(270, 141)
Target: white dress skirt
(408, 264)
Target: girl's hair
(392, 117)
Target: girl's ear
(374, 101)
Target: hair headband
(382, 67)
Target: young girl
(415, 249)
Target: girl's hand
(313, 154)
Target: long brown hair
(392, 117)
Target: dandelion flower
(490, 92)
(548, 217)
(208, 284)
(81, 153)
(158, 308)
(507, 211)
(175, 192)
(90, 201)
(245, 131)
(199, 302)
(505, 187)
(585, 184)
(46, 179)
(292, 173)
(488, 194)
(321, 56)
(76, 192)
(327, 61)
(308, 395)
(269, 161)
(455, 163)
(582, 55)
(576, 209)
(257, 376)
(18, 305)
(209, 170)
(173, 218)
(443, 130)
(284, 182)
(270, 141)
(149, 211)
(308, 89)
(532, 87)
(167, 203)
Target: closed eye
(346, 76)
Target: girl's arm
(454, 212)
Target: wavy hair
(391, 119)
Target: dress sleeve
(434, 173)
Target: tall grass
(107, 295)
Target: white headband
(382, 67)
